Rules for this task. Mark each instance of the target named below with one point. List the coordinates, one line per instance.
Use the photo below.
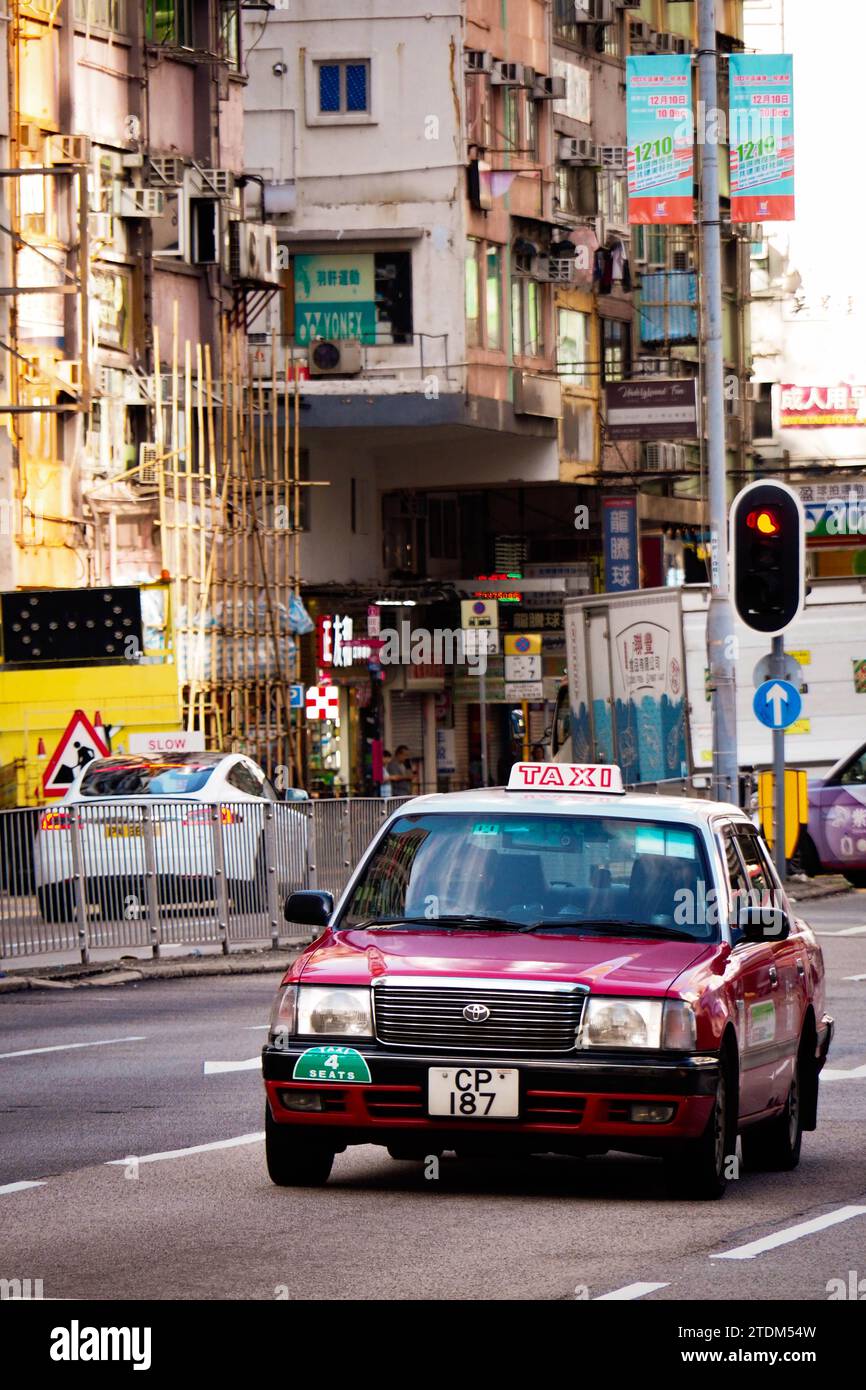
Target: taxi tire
(292, 1160)
(856, 877)
(773, 1146)
(699, 1170)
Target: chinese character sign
(335, 297)
(762, 137)
(804, 407)
(620, 544)
(660, 140)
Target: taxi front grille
(529, 1021)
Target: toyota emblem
(476, 1013)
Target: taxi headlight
(622, 1023)
(333, 1011)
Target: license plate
(474, 1093)
(128, 832)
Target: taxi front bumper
(576, 1098)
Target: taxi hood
(609, 965)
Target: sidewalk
(134, 967)
(803, 890)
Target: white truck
(637, 690)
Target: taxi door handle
(801, 970)
(774, 976)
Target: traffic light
(768, 556)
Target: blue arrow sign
(777, 704)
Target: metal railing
(76, 876)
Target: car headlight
(334, 1011)
(622, 1023)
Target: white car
(183, 794)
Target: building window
(530, 127)
(576, 191)
(613, 198)
(101, 14)
(478, 112)
(230, 33)
(169, 22)
(442, 528)
(493, 297)
(344, 88)
(511, 119)
(527, 329)
(565, 21)
(616, 350)
(613, 37)
(473, 292)
(572, 347)
(762, 412)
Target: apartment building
(130, 115)
(449, 184)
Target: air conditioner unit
(555, 270)
(549, 88)
(655, 457)
(100, 226)
(69, 372)
(682, 45)
(753, 390)
(477, 60)
(613, 156)
(30, 137)
(210, 183)
(67, 149)
(576, 150)
(148, 467)
(530, 77)
(138, 202)
(640, 33)
(165, 169)
(682, 260)
(651, 366)
(507, 74)
(676, 456)
(594, 11)
(665, 43)
(253, 252)
(334, 357)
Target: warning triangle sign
(79, 745)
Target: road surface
(132, 1166)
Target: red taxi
(552, 967)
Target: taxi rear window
(572, 870)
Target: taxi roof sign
(566, 777)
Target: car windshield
(166, 776)
(557, 873)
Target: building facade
(449, 182)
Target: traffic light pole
(720, 620)
(781, 861)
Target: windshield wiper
(610, 926)
(453, 919)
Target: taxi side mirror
(763, 923)
(309, 908)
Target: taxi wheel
(856, 877)
(293, 1161)
(774, 1145)
(701, 1171)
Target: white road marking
(854, 977)
(256, 1027)
(18, 1186)
(186, 1153)
(215, 1068)
(846, 931)
(834, 1074)
(629, 1291)
(67, 1047)
(805, 1228)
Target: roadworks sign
(79, 745)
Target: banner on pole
(762, 137)
(661, 156)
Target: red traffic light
(765, 521)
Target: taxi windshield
(538, 872)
